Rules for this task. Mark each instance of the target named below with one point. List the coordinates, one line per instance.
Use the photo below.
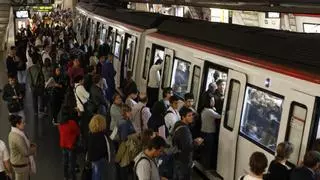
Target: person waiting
(172, 115)
(278, 169)
(258, 164)
(311, 163)
(154, 83)
(141, 114)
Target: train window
(158, 55)
(146, 63)
(213, 75)
(166, 69)
(195, 81)
(261, 117)
(234, 90)
(117, 46)
(298, 115)
(180, 76)
(131, 44)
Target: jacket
(19, 151)
(9, 92)
(302, 173)
(129, 149)
(69, 132)
(35, 76)
(11, 66)
(97, 98)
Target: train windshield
(180, 77)
(261, 117)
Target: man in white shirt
(154, 82)
(4, 161)
(172, 115)
(141, 114)
(82, 96)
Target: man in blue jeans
(182, 139)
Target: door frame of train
(227, 147)
(167, 53)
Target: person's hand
(33, 148)
(199, 140)
(14, 97)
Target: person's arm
(83, 94)
(6, 161)
(158, 67)
(22, 147)
(143, 170)
(216, 115)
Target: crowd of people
(121, 132)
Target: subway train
(272, 77)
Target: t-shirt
(249, 177)
(146, 169)
(4, 155)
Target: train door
(127, 56)
(118, 49)
(166, 73)
(145, 67)
(229, 127)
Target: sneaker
(55, 123)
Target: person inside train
(172, 115)
(154, 83)
(183, 140)
(278, 170)
(158, 112)
(209, 118)
(219, 95)
(207, 95)
(141, 114)
(311, 164)
(258, 163)
(181, 77)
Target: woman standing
(22, 151)
(100, 150)
(115, 111)
(4, 162)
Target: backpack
(135, 177)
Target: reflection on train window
(261, 117)
(195, 82)
(130, 50)
(117, 46)
(213, 75)
(230, 116)
(146, 63)
(158, 55)
(166, 71)
(297, 118)
(180, 77)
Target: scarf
(31, 158)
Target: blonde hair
(97, 124)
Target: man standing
(219, 95)
(154, 82)
(141, 114)
(145, 165)
(182, 139)
(108, 72)
(172, 115)
(11, 62)
(75, 70)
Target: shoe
(55, 123)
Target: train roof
(142, 20)
(290, 49)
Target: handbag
(86, 173)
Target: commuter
(196, 125)
(36, 81)
(85, 47)
(21, 150)
(209, 133)
(125, 126)
(115, 111)
(11, 62)
(100, 150)
(69, 133)
(141, 114)
(21, 64)
(13, 94)
(258, 164)
(75, 70)
(5, 167)
(46, 53)
(278, 169)
(207, 95)
(219, 94)
(130, 100)
(108, 72)
(158, 112)
(47, 69)
(129, 85)
(97, 97)
(145, 164)
(154, 83)
(88, 77)
(311, 163)
(172, 115)
(182, 139)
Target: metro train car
(272, 77)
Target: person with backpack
(97, 97)
(172, 115)
(145, 165)
(36, 81)
(141, 114)
(185, 144)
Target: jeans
(208, 153)
(98, 169)
(69, 163)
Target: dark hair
(173, 99)
(159, 61)
(77, 79)
(188, 96)
(207, 102)
(316, 145)
(284, 150)
(96, 78)
(12, 48)
(166, 91)
(133, 91)
(258, 163)
(184, 112)
(11, 76)
(146, 136)
(129, 74)
(219, 81)
(114, 96)
(125, 108)
(73, 57)
(14, 120)
(156, 143)
(311, 159)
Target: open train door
(166, 71)
(145, 65)
(229, 129)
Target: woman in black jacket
(278, 169)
